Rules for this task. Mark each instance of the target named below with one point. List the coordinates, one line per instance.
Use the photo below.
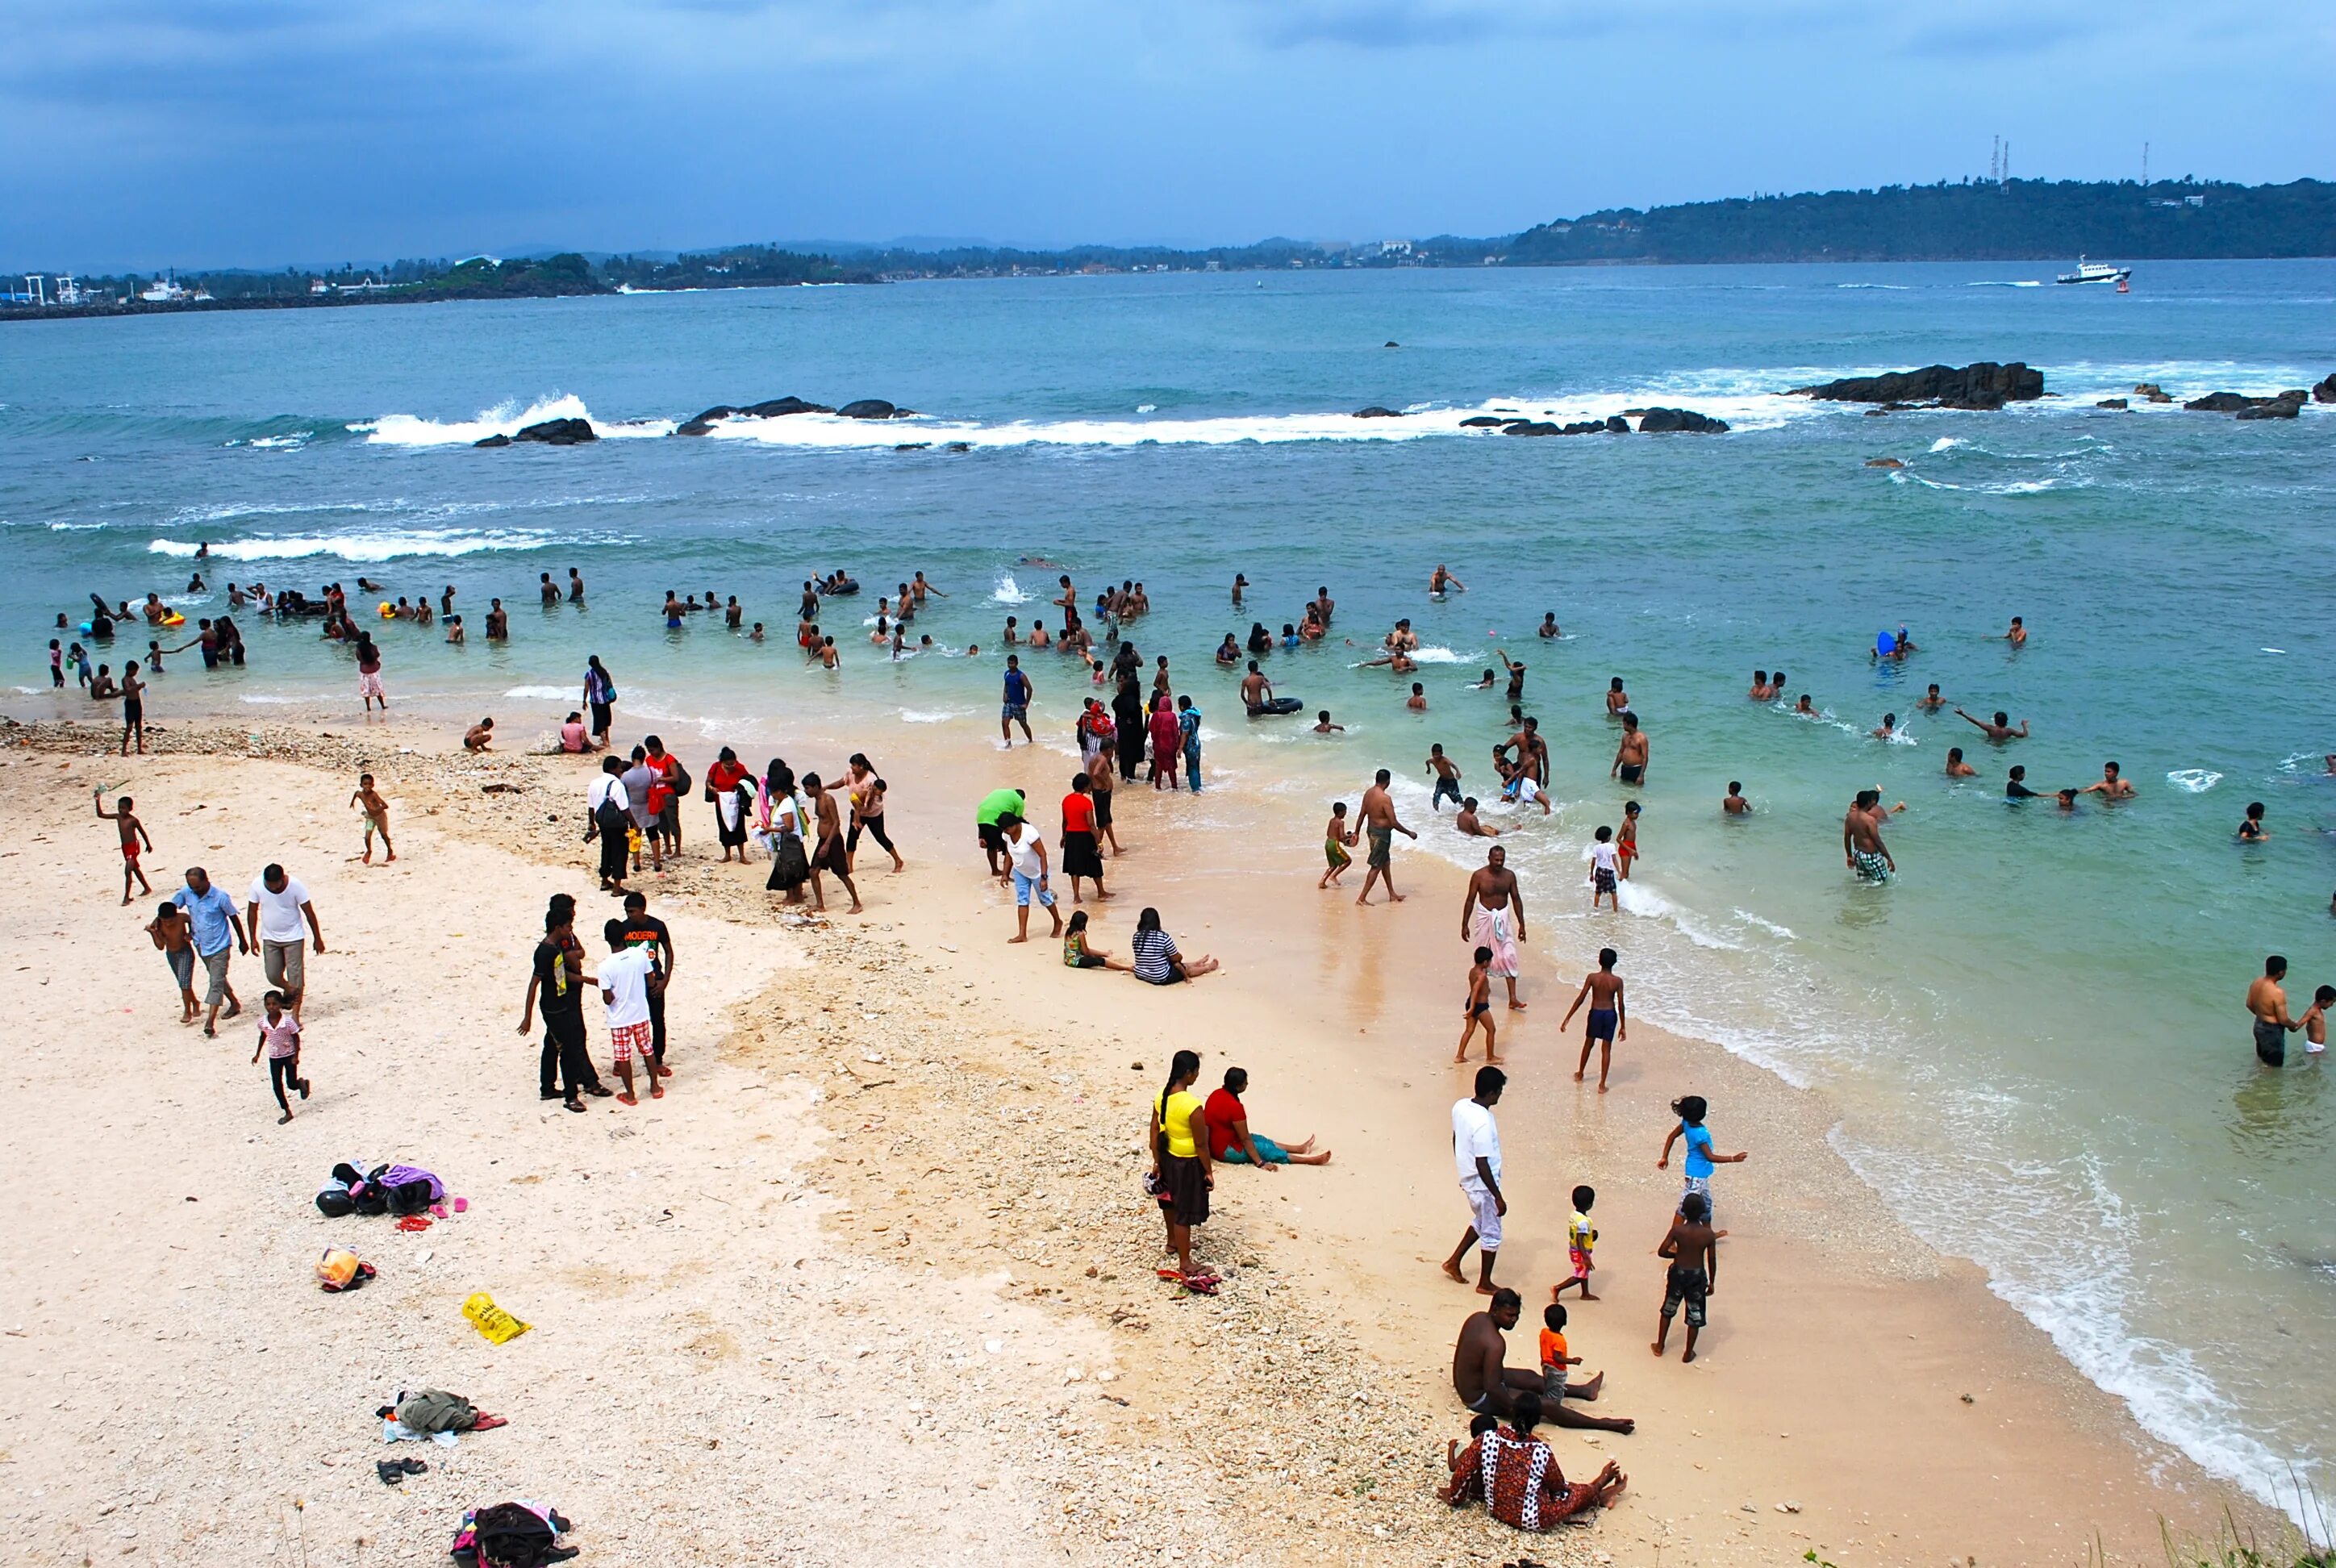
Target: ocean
(2035, 1036)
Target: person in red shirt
(665, 796)
(721, 782)
(1082, 857)
(1230, 1140)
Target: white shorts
(369, 683)
(1487, 1214)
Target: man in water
(1015, 706)
(1469, 826)
(1488, 1385)
(1323, 605)
(1932, 701)
(575, 586)
(2000, 730)
(1956, 766)
(2267, 1000)
(1441, 581)
(1861, 849)
(1735, 804)
(1255, 689)
(1532, 750)
(2017, 636)
(1631, 756)
(1493, 915)
(1888, 728)
(1380, 825)
(2112, 784)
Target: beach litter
(499, 1325)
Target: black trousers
(875, 826)
(656, 1024)
(284, 1073)
(565, 1057)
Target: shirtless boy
(1610, 1017)
(1477, 1009)
(132, 830)
(1468, 824)
(1447, 776)
(2000, 730)
(1694, 1275)
(173, 930)
(368, 800)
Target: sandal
(390, 1471)
(415, 1466)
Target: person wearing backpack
(674, 783)
(608, 809)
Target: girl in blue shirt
(1690, 1110)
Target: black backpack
(507, 1535)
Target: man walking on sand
(214, 920)
(1493, 915)
(1380, 825)
(1476, 1154)
(276, 906)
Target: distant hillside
(1981, 221)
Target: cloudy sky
(264, 132)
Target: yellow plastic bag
(499, 1325)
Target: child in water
(1336, 837)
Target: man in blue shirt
(1188, 721)
(213, 915)
(1015, 708)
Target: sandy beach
(874, 1282)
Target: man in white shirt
(273, 914)
(624, 993)
(1476, 1155)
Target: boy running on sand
(280, 1037)
(376, 816)
(174, 938)
(1478, 1011)
(132, 830)
(1336, 836)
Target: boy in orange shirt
(1554, 1360)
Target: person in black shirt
(559, 982)
(2015, 788)
(643, 929)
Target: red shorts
(629, 1040)
(129, 852)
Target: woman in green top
(1181, 1176)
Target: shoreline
(1821, 1281)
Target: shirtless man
(1734, 804)
(1610, 1016)
(1631, 756)
(1493, 915)
(1532, 752)
(575, 586)
(1441, 581)
(2017, 636)
(1548, 627)
(2267, 1000)
(1469, 826)
(549, 589)
(2112, 784)
(1861, 849)
(2000, 730)
(1488, 1385)
(1956, 766)
(498, 621)
(1380, 825)
(1255, 689)
(1401, 639)
(1693, 1249)
(1323, 605)
(1932, 701)
(920, 587)
(1618, 701)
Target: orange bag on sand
(341, 1269)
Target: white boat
(2095, 272)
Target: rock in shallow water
(1983, 384)
(560, 433)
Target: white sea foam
(75, 526)
(1007, 592)
(371, 546)
(1147, 408)
(1947, 443)
(543, 693)
(297, 439)
(1771, 927)
(2196, 780)
(1435, 655)
(930, 715)
(503, 419)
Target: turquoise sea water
(2035, 1034)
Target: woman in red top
(1081, 855)
(1167, 741)
(721, 782)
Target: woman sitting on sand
(1516, 1476)
(1157, 961)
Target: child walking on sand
(132, 830)
(1335, 837)
(368, 801)
(1478, 1011)
(173, 931)
(280, 1037)
(1690, 1110)
(1581, 1239)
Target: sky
(267, 132)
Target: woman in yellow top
(1178, 1134)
